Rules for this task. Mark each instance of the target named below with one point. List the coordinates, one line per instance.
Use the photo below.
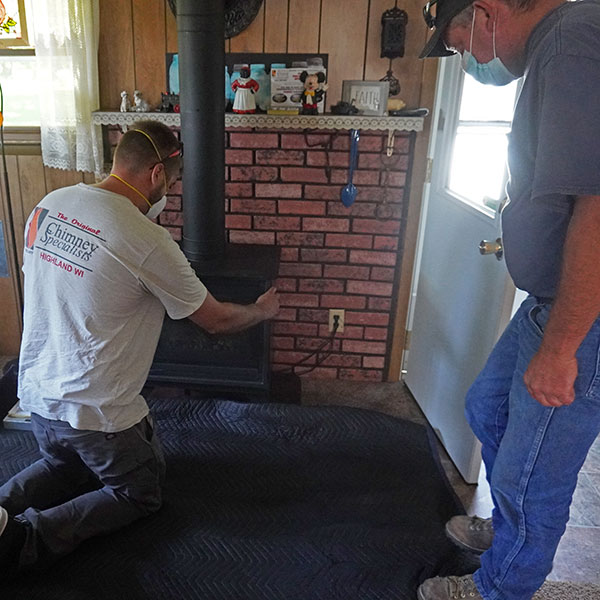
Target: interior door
(462, 299)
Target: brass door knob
(487, 247)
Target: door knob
(487, 247)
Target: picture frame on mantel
(369, 97)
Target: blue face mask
(490, 73)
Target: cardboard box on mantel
(286, 87)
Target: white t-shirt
(98, 278)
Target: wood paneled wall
(136, 35)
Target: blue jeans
(532, 454)
(87, 483)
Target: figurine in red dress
(244, 87)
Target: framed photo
(370, 97)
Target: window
(478, 163)
(17, 65)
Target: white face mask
(493, 72)
(157, 208)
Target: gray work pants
(87, 483)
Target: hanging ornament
(393, 32)
(394, 83)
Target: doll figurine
(314, 88)
(244, 88)
(125, 103)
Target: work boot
(12, 540)
(471, 533)
(449, 588)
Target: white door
(462, 299)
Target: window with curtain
(66, 49)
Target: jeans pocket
(142, 434)
(593, 389)
(538, 317)
(152, 453)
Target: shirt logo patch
(34, 225)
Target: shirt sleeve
(167, 274)
(568, 151)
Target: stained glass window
(17, 65)
(13, 26)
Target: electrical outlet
(339, 313)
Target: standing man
(99, 276)
(536, 404)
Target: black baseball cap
(445, 11)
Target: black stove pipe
(201, 46)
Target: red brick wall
(284, 188)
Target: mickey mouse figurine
(314, 88)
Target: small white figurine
(125, 104)
(140, 105)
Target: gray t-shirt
(98, 278)
(554, 145)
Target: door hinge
(407, 336)
(428, 170)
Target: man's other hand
(550, 378)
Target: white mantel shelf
(328, 121)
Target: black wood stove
(186, 355)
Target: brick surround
(283, 187)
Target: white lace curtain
(66, 48)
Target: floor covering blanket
(268, 502)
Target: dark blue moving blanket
(268, 502)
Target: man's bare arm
(227, 317)
(552, 371)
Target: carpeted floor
(555, 590)
(269, 502)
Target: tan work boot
(471, 533)
(449, 588)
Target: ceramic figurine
(125, 103)
(140, 105)
(244, 88)
(314, 88)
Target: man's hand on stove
(228, 317)
(269, 303)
